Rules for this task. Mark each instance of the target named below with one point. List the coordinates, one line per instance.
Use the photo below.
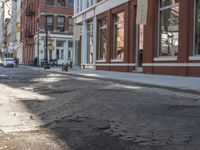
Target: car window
(9, 59)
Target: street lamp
(38, 44)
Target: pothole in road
(80, 123)
(50, 91)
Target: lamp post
(46, 66)
(38, 44)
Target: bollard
(64, 67)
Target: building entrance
(139, 47)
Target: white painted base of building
(62, 48)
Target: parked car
(9, 62)
(1, 62)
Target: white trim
(116, 60)
(194, 35)
(170, 6)
(56, 36)
(167, 58)
(171, 64)
(194, 57)
(101, 60)
(89, 8)
(117, 64)
(87, 64)
(194, 30)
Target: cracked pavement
(44, 110)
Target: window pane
(61, 24)
(102, 40)
(118, 51)
(169, 31)
(70, 44)
(50, 2)
(49, 20)
(71, 3)
(90, 41)
(71, 25)
(60, 43)
(165, 3)
(62, 54)
(61, 2)
(57, 54)
(70, 47)
(197, 39)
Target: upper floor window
(49, 20)
(61, 3)
(79, 5)
(61, 23)
(49, 2)
(71, 3)
(118, 41)
(197, 28)
(71, 25)
(89, 3)
(102, 42)
(169, 27)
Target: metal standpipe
(65, 67)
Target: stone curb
(126, 82)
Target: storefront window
(118, 43)
(57, 54)
(197, 33)
(169, 27)
(90, 41)
(102, 39)
(60, 43)
(70, 47)
(62, 54)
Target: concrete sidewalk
(174, 82)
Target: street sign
(142, 10)
(18, 28)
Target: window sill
(166, 58)
(197, 57)
(101, 60)
(117, 60)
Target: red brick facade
(182, 66)
(33, 14)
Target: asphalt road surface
(42, 110)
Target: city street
(42, 110)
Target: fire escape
(29, 22)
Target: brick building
(56, 15)
(5, 18)
(167, 44)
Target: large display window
(168, 27)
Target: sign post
(142, 10)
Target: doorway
(139, 47)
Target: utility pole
(38, 44)
(46, 66)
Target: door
(139, 47)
